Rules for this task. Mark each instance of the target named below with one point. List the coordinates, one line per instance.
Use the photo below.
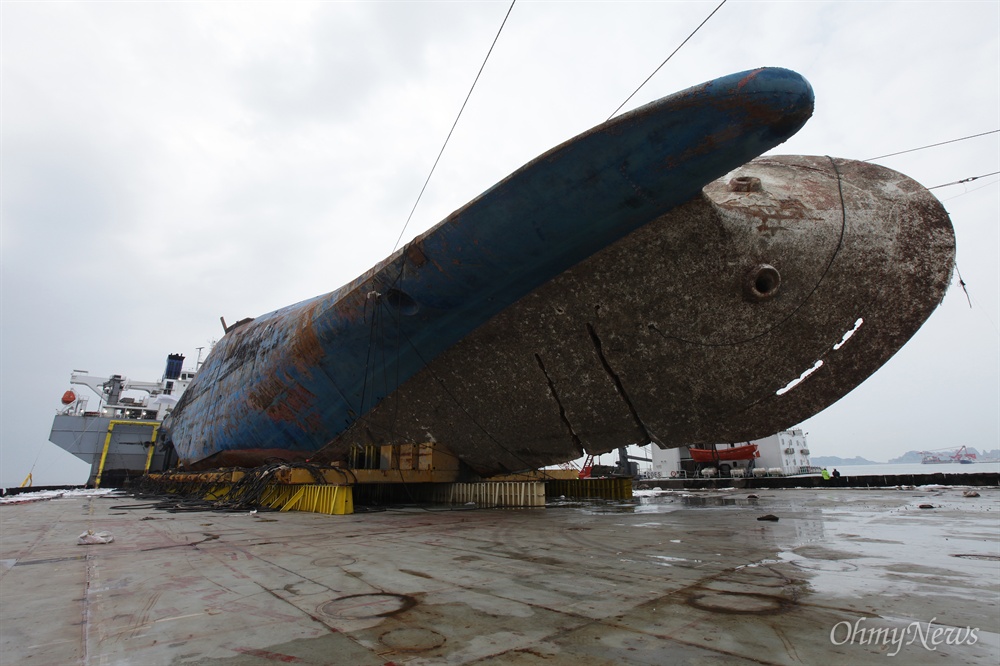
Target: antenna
(197, 364)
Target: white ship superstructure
(785, 453)
(118, 435)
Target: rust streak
(748, 78)
(415, 253)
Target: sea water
(915, 468)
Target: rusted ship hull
(582, 304)
(290, 382)
(690, 330)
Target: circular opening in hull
(762, 283)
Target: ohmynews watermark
(928, 635)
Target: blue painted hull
(288, 383)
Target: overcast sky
(167, 163)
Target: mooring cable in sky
(455, 124)
(965, 180)
(665, 61)
(932, 145)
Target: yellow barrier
(338, 499)
(328, 499)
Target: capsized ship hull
(290, 382)
(743, 312)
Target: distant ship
(961, 456)
(644, 281)
(117, 436)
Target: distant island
(917, 456)
(908, 457)
(834, 461)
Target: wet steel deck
(680, 577)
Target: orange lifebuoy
(68, 398)
(673, 474)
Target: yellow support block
(328, 499)
(331, 499)
(295, 499)
(218, 492)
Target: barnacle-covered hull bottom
(750, 308)
(740, 314)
